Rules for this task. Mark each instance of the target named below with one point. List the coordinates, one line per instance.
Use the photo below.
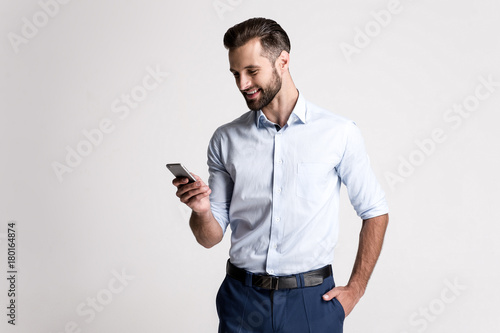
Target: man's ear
(283, 61)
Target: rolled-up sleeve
(365, 192)
(219, 181)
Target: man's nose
(244, 82)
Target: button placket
(276, 225)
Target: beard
(267, 94)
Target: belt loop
(248, 279)
(300, 280)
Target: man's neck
(281, 107)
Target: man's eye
(252, 72)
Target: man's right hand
(194, 195)
(205, 227)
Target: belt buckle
(275, 282)
(266, 282)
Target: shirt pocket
(314, 180)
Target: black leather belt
(311, 279)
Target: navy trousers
(244, 309)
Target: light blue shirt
(279, 190)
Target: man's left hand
(348, 297)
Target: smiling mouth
(251, 94)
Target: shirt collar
(298, 113)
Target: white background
(116, 211)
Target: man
(275, 176)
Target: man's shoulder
(317, 114)
(245, 121)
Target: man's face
(255, 75)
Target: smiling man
(275, 177)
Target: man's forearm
(370, 244)
(206, 229)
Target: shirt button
(278, 190)
(280, 161)
(277, 219)
(271, 271)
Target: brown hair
(272, 37)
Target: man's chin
(253, 105)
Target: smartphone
(180, 170)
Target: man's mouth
(251, 94)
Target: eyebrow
(247, 67)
